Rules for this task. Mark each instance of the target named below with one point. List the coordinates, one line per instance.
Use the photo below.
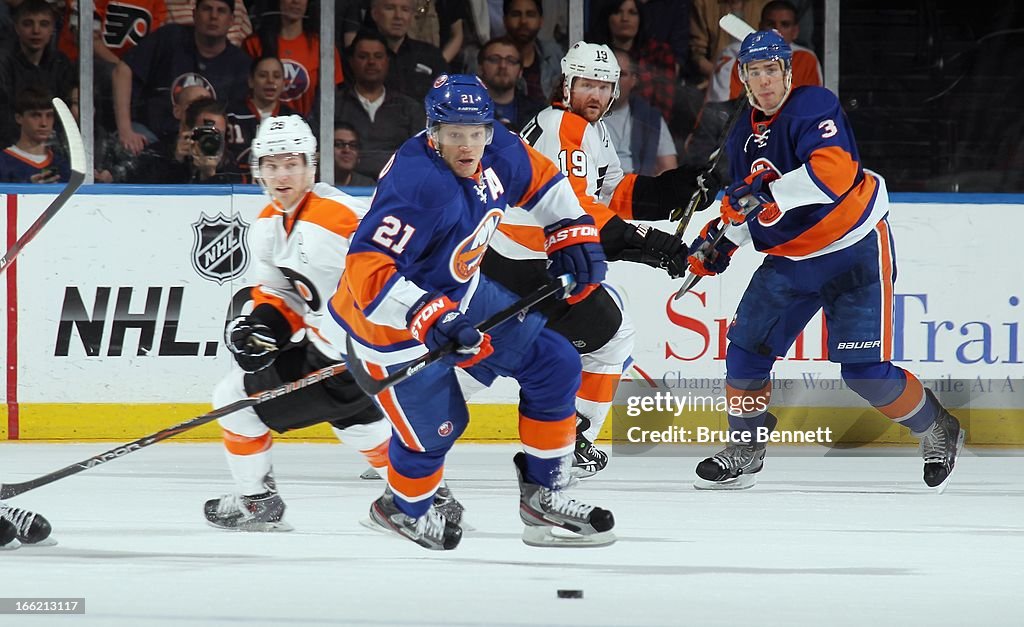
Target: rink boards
(114, 315)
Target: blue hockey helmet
(766, 45)
(459, 99)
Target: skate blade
(256, 527)
(939, 489)
(548, 537)
(49, 541)
(370, 474)
(10, 546)
(743, 482)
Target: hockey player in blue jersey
(802, 197)
(412, 284)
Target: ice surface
(850, 540)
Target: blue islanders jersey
(17, 166)
(427, 231)
(826, 200)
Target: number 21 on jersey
(388, 229)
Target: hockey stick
(374, 386)
(77, 152)
(739, 30)
(7, 490)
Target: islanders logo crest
(468, 255)
(296, 80)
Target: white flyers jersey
(586, 156)
(299, 258)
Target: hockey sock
(372, 440)
(548, 445)
(249, 460)
(414, 477)
(594, 399)
(895, 392)
(748, 388)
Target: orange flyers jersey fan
(585, 155)
(121, 24)
(298, 259)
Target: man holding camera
(198, 155)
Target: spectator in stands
(500, 69)
(413, 63)
(383, 117)
(30, 159)
(637, 130)
(668, 21)
(118, 27)
(266, 83)
(542, 58)
(150, 74)
(182, 12)
(31, 62)
(707, 39)
(198, 155)
(101, 174)
(440, 23)
(346, 157)
(291, 33)
(781, 16)
(348, 20)
(618, 25)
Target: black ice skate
(542, 510)
(734, 467)
(256, 512)
(432, 530)
(588, 460)
(30, 528)
(8, 535)
(940, 445)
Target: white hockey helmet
(593, 61)
(283, 135)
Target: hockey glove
(574, 247)
(705, 260)
(735, 209)
(655, 248)
(251, 342)
(708, 184)
(436, 321)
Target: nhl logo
(220, 250)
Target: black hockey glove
(709, 184)
(655, 248)
(252, 343)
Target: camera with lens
(208, 139)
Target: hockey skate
(30, 528)
(734, 467)
(940, 445)
(449, 507)
(588, 460)
(431, 530)
(542, 510)
(8, 535)
(257, 512)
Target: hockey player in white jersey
(572, 134)
(299, 243)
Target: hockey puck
(570, 594)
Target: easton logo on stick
(220, 251)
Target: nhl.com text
(665, 403)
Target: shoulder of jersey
(417, 177)
(810, 101)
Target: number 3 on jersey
(386, 232)
(576, 159)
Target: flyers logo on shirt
(296, 80)
(468, 255)
(124, 24)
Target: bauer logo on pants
(220, 250)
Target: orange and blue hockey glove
(751, 197)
